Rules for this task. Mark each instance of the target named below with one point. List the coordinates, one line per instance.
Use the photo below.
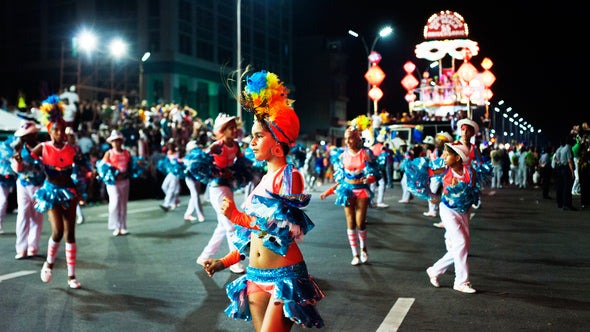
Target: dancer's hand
(212, 266)
(227, 207)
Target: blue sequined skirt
(292, 286)
(346, 191)
(51, 195)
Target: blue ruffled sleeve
(418, 177)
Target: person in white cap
(441, 139)
(29, 222)
(119, 158)
(469, 130)
(225, 151)
(455, 217)
(192, 183)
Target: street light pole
(383, 33)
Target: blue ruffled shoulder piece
(418, 177)
(33, 171)
(461, 196)
(280, 216)
(437, 163)
(484, 173)
(167, 165)
(6, 152)
(257, 165)
(337, 165)
(298, 154)
(106, 172)
(136, 168)
(372, 166)
(382, 159)
(200, 165)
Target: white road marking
(15, 275)
(396, 315)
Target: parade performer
(441, 139)
(174, 169)
(460, 192)
(81, 168)
(378, 186)
(354, 171)
(276, 291)
(7, 177)
(225, 151)
(408, 156)
(115, 169)
(58, 195)
(29, 221)
(193, 181)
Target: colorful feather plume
(53, 110)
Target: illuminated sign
(445, 25)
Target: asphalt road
(528, 260)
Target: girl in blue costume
(354, 173)
(58, 195)
(276, 290)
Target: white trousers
(405, 191)
(522, 175)
(380, 186)
(171, 187)
(513, 175)
(118, 198)
(224, 228)
(194, 204)
(434, 187)
(457, 243)
(497, 176)
(4, 192)
(29, 222)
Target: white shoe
(1, 231)
(80, 220)
(123, 232)
(355, 261)
(237, 268)
(364, 257)
(428, 214)
(403, 201)
(464, 288)
(116, 232)
(433, 278)
(382, 205)
(438, 224)
(200, 218)
(46, 272)
(73, 283)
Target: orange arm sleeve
(241, 219)
(231, 258)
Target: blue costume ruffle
(292, 285)
(81, 169)
(107, 173)
(418, 177)
(167, 165)
(51, 195)
(344, 192)
(275, 216)
(461, 196)
(33, 172)
(200, 166)
(7, 176)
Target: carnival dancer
(193, 184)
(277, 290)
(354, 172)
(80, 180)
(441, 139)
(174, 169)
(225, 151)
(58, 195)
(117, 160)
(379, 186)
(29, 221)
(407, 157)
(460, 191)
(7, 177)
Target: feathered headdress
(360, 123)
(53, 111)
(266, 97)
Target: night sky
(538, 60)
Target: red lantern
(410, 97)
(409, 82)
(467, 71)
(409, 67)
(375, 94)
(488, 94)
(487, 78)
(375, 75)
(487, 64)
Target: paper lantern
(409, 82)
(467, 71)
(409, 67)
(487, 78)
(487, 64)
(468, 91)
(488, 94)
(375, 94)
(410, 97)
(375, 75)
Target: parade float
(458, 85)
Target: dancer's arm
(229, 209)
(216, 265)
(329, 191)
